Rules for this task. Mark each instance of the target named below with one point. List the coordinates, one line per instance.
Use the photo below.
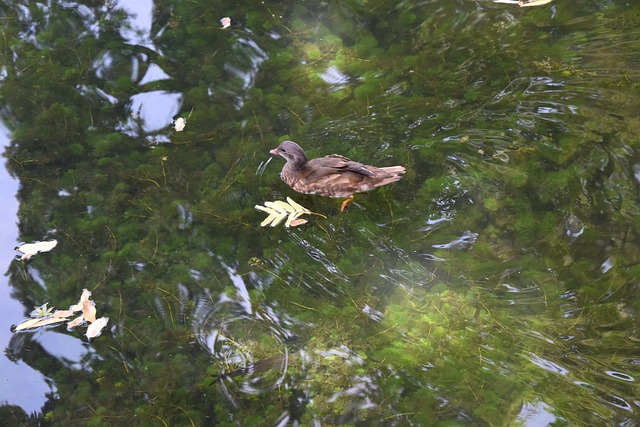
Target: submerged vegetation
(497, 281)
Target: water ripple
(547, 364)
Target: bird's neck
(298, 163)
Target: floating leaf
(38, 322)
(63, 313)
(42, 311)
(281, 206)
(27, 324)
(48, 321)
(86, 294)
(280, 210)
(43, 316)
(30, 249)
(179, 124)
(95, 328)
(274, 218)
(524, 3)
(292, 219)
(89, 311)
(297, 222)
(534, 3)
(297, 206)
(75, 322)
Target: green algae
(388, 313)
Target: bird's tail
(394, 173)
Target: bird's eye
(283, 150)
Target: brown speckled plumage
(332, 175)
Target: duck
(333, 175)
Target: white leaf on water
(522, 3)
(48, 321)
(179, 124)
(86, 294)
(30, 249)
(38, 322)
(95, 329)
(27, 324)
(75, 322)
(63, 313)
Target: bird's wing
(335, 163)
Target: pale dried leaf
(30, 249)
(269, 219)
(297, 206)
(284, 206)
(276, 213)
(86, 294)
(297, 222)
(280, 210)
(75, 322)
(89, 311)
(528, 4)
(273, 206)
(179, 124)
(292, 217)
(48, 321)
(27, 324)
(38, 322)
(265, 209)
(63, 313)
(536, 3)
(278, 219)
(96, 327)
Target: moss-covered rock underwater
(380, 326)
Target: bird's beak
(275, 152)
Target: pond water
(496, 284)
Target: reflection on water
(25, 387)
(495, 285)
(154, 109)
(536, 414)
(140, 18)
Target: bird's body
(332, 175)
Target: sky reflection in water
(28, 386)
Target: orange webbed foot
(345, 203)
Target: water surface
(496, 284)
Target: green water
(495, 285)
